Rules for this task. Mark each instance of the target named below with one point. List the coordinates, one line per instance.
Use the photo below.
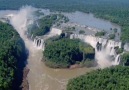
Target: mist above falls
(20, 19)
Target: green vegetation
(11, 52)
(102, 33)
(62, 53)
(111, 36)
(116, 11)
(43, 25)
(65, 52)
(125, 59)
(115, 78)
(88, 51)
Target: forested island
(64, 52)
(12, 57)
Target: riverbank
(25, 84)
(41, 77)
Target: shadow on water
(21, 64)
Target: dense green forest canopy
(115, 78)
(44, 25)
(125, 59)
(65, 52)
(116, 11)
(11, 50)
(64, 4)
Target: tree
(125, 59)
(65, 52)
(11, 52)
(114, 78)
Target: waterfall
(39, 40)
(112, 51)
(39, 43)
(104, 49)
(117, 60)
(25, 20)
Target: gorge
(41, 77)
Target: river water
(91, 21)
(41, 77)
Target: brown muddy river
(41, 77)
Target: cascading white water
(103, 56)
(41, 77)
(23, 21)
(117, 60)
(39, 41)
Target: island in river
(40, 76)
